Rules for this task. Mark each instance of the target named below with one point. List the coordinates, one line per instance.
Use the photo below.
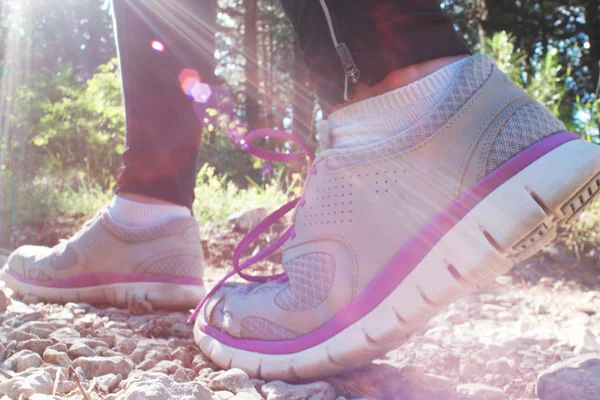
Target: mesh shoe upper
(362, 204)
(103, 247)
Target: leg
(146, 244)
(382, 36)
(163, 132)
(437, 179)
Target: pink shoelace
(269, 220)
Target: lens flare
(158, 46)
(201, 92)
(188, 79)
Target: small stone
(4, 301)
(248, 219)
(184, 355)
(223, 395)
(147, 365)
(480, 391)
(27, 384)
(200, 362)
(181, 376)
(30, 299)
(98, 366)
(42, 333)
(60, 347)
(277, 390)
(468, 369)
(57, 358)
(109, 382)
(65, 335)
(21, 336)
(139, 306)
(503, 366)
(158, 355)
(63, 315)
(575, 379)
(236, 381)
(456, 317)
(81, 350)
(23, 360)
(166, 367)
(36, 345)
(157, 386)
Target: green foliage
(85, 129)
(544, 80)
(218, 197)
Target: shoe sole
(510, 224)
(162, 296)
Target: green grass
(217, 198)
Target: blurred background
(62, 119)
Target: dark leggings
(164, 131)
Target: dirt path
(491, 345)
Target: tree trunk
(302, 97)
(592, 29)
(252, 72)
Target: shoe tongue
(324, 135)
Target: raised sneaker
(388, 233)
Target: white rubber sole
(512, 223)
(167, 296)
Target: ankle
(138, 211)
(402, 77)
(139, 198)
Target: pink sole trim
(101, 279)
(403, 263)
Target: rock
(139, 306)
(38, 396)
(63, 315)
(42, 333)
(79, 349)
(457, 317)
(157, 386)
(182, 376)
(2, 351)
(223, 395)
(468, 369)
(60, 347)
(98, 366)
(65, 335)
(30, 299)
(91, 343)
(480, 391)
(57, 358)
(23, 360)
(200, 362)
(4, 301)
(21, 336)
(109, 382)
(277, 390)
(36, 345)
(184, 355)
(246, 220)
(158, 355)
(147, 365)
(574, 379)
(27, 384)
(236, 381)
(503, 366)
(166, 367)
